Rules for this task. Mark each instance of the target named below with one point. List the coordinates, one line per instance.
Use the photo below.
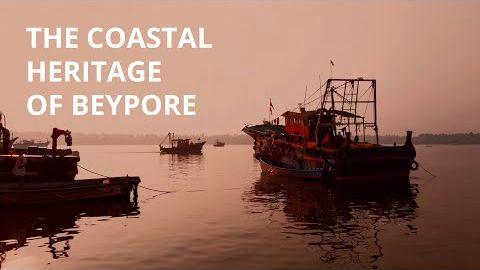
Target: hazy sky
(424, 55)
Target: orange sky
(424, 55)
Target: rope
(92, 171)
(163, 140)
(434, 176)
(152, 189)
(308, 99)
(99, 174)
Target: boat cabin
(300, 126)
(180, 142)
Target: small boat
(219, 144)
(78, 190)
(24, 144)
(182, 146)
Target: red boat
(318, 144)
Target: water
(224, 214)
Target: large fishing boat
(318, 144)
(181, 146)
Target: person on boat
(5, 136)
(327, 140)
(347, 141)
(19, 170)
(339, 140)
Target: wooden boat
(42, 164)
(182, 146)
(60, 192)
(40, 175)
(40, 168)
(318, 144)
(219, 144)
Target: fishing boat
(40, 175)
(181, 146)
(24, 144)
(61, 192)
(219, 144)
(317, 144)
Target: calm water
(224, 214)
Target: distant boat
(182, 146)
(24, 144)
(219, 144)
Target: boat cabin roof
(312, 114)
(180, 140)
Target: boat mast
(375, 126)
(334, 126)
(322, 106)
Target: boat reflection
(182, 166)
(58, 224)
(343, 223)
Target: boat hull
(293, 173)
(193, 148)
(78, 190)
(380, 163)
(375, 164)
(40, 168)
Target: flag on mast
(271, 107)
(331, 66)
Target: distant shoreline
(243, 139)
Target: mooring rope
(99, 174)
(160, 191)
(92, 171)
(420, 164)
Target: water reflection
(343, 224)
(182, 166)
(56, 223)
